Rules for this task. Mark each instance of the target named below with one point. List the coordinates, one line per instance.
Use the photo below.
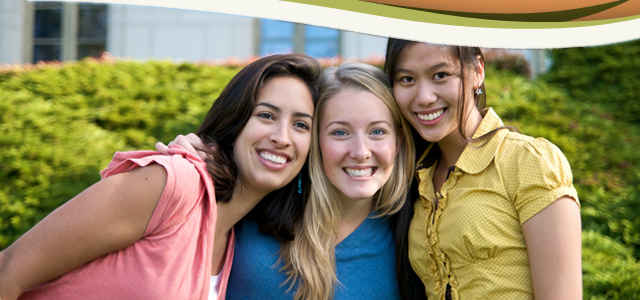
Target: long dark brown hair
(468, 59)
(231, 112)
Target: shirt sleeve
(183, 190)
(542, 175)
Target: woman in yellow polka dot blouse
(495, 215)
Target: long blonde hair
(310, 258)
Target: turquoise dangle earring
(299, 183)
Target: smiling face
(358, 143)
(427, 88)
(273, 146)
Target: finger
(184, 142)
(176, 139)
(194, 140)
(162, 148)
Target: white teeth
(273, 158)
(431, 116)
(359, 172)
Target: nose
(425, 94)
(280, 137)
(360, 150)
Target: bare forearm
(10, 289)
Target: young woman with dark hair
(496, 215)
(160, 227)
(344, 245)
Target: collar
(475, 157)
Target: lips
(365, 172)
(273, 158)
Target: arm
(553, 238)
(108, 216)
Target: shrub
(608, 76)
(609, 269)
(62, 123)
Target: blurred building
(35, 31)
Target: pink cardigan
(173, 258)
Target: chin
(360, 195)
(273, 185)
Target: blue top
(365, 264)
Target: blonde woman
(343, 246)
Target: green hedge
(61, 124)
(608, 76)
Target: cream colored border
(419, 31)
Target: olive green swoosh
(553, 16)
(376, 9)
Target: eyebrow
(437, 66)
(345, 123)
(277, 109)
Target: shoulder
(526, 162)
(177, 167)
(535, 173)
(183, 188)
(523, 150)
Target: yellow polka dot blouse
(473, 241)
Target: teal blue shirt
(365, 264)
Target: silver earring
(478, 91)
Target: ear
(479, 77)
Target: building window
(276, 37)
(321, 42)
(284, 37)
(47, 33)
(68, 31)
(92, 30)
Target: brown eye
(406, 79)
(265, 116)
(302, 125)
(440, 75)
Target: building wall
(12, 31)
(140, 32)
(357, 45)
(160, 33)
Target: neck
(354, 212)
(452, 146)
(241, 203)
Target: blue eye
(378, 132)
(339, 133)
